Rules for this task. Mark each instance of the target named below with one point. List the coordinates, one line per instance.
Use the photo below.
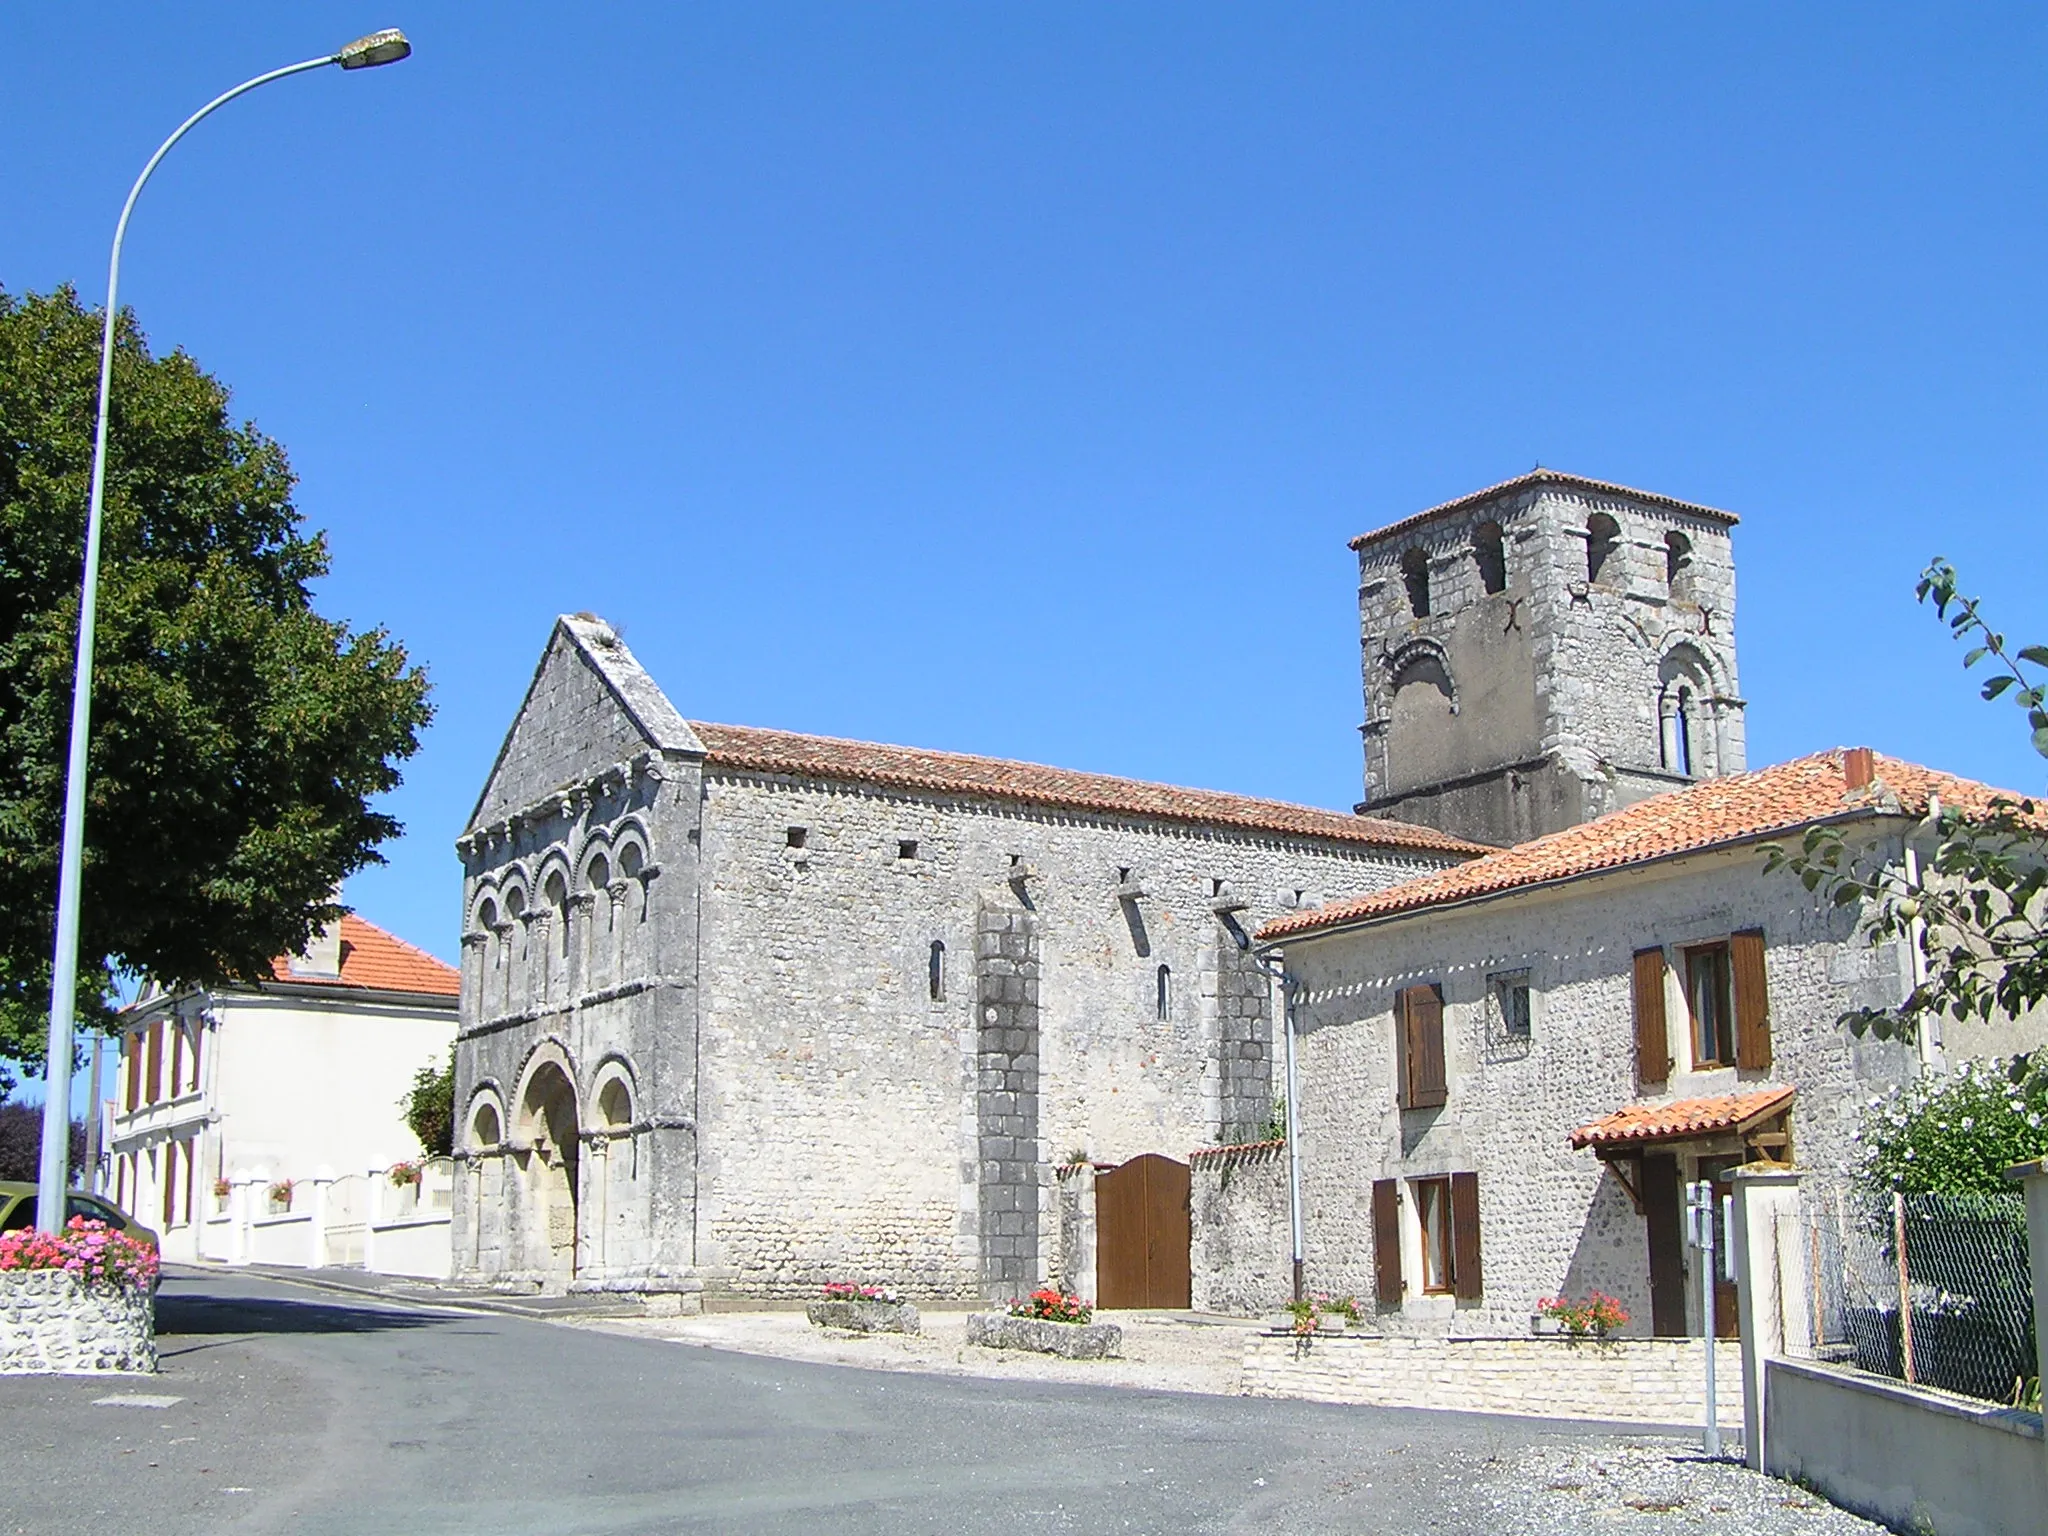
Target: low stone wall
(1240, 1253)
(1912, 1458)
(53, 1323)
(1655, 1381)
(1073, 1341)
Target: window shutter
(132, 1043)
(1752, 1000)
(156, 1060)
(1653, 1046)
(1426, 1019)
(1465, 1236)
(1386, 1241)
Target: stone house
(1510, 1068)
(751, 1010)
(299, 1075)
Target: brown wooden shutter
(132, 1044)
(1425, 1036)
(1386, 1241)
(1465, 1236)
(156, 1060)
(1653, 1045)
(1752, 1000)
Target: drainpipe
(1927, 1039)
(1278, 971)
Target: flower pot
(1546, 1327)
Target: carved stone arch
(483, 1120)
(1680, 654)
(1422, 662)
(548, 1049)
(549, 1146)
(1688, 710)
(614, 1102)
(597, 845)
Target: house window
(1492, 557)
(1415, 572)
(936, 973)
(1709, 999)
(906, 848)
(1511, 997)
(1419, 1047)
(797, 836)
(1162, 1001)
(1433, 1210)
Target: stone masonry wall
(1653, 1381)
(840, 1110)
(1006, 1097)
(53, 1323)
(1553, 1219)
(1242, 1261)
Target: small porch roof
(1636, 1125)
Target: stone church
(746, 1011)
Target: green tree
(238, 738)
(1977, 909)
(429, 1107)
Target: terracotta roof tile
(1531, 480)
(1682, 1119)
(376, 961)
(783, 752)
(1772, 801)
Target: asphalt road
(305, 1411)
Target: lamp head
(386, 47)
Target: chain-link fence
(1931, 1289)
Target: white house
(297, 1079)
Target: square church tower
(1544, 651)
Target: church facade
(746, 1011)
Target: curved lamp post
(386, 47)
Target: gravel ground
(1163, 1351)
(1638, 1484)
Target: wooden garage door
(1141, 1234)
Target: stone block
(864, 1316)
(55, 1324)
(1070, 1341)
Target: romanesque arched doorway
(549, 1130)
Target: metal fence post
(1905, 1287)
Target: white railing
(362, 1220)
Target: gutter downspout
(1277, 969)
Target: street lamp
(386, 47)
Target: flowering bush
(846, 1290)
(281, 1193)
(91, 1250)
(222, 1189)
(1955, 1132)
(405, 1174)
(1052, 1306)
(1308, 1314)
(1598, 1314)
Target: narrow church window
(906, 848)
(1492, 556)
(1681, 734)
(1163, 1002)
(1678, 565)
(937, 977)
(1603, 538)
(1415, 571)
(796, 836)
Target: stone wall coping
(431, 1219)
(2014, 1421)
(1242, 1149)
(282, 1219)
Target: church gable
(590, 705)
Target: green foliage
(238, 737)
(429, 1107)
(1977, 908)
(1955, 1133)
(1275, 1128)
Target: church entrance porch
(550, 1166)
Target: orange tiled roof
(1771, 801)
(1534, 478)
(376, 961)
(764, 751)
(1682, 1119)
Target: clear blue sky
(1008, 379)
